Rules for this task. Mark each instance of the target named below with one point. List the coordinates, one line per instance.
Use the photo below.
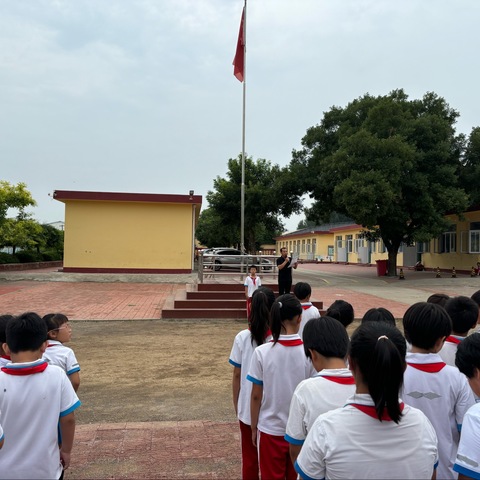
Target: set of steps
(213, 300)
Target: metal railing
(235, 265)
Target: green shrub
(28, 256)
(52, 256)
(8, 258)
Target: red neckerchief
(6, 357)
(25, 370)
(428, 367)
(451, 339)
(306, 307)
(341, 380)
(254, 280)
(371, 412)
(290, 343)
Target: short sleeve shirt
(58, 354)
(467, 461)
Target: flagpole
(242, 192)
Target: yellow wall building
(110, 232)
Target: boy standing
(440, 391)
(33, 397)
(252, 282)
(463, 312)
(303, 292)
(467, 462)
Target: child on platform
(303, 291)
(374, 435)
(277, 367)
(439, 390)
(463, 312)
(243, 346)
(33, 397)
(56, 353)
(325, 341)
(252, 282)
(467, 463)
(4, 358)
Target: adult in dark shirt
(284, 272)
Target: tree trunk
(392, 262)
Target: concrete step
(214, 303)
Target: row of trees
(22, 232)
(391, 164)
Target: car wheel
(217, 265)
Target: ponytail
(259, 318)
(284, 309)
(379, 350)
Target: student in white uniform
(251, 283)
(325, 341)
(439, 390)
(243, 346)
(4, 358)
(33, 397)
(303, 291)
(463, 312)
(342, 311)
(276, 369)
(467, 463)
(374, 435)
(56, 353)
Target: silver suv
(233, 259)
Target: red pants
(249, 454)
(274, 458)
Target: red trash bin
(382, 267)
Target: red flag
(239, 60)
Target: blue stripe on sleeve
(293, 441)
(302, 474)
(231, 362)
(459, 427)
(73, 370)
(435, 466)
(2, 437)
(254, 380)
(465, 471)
(71, 409)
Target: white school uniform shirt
(279, 369)
(348, 443)
(444, 397)
(325, 391)
(4, 360)
(30, 407)
(468, 454)
(252, 285)
(240, 356)
(449, 349)
(309, 311)
(58, 354)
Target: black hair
(54, 320)
(27, 332)
(463, 312)
(302, 290)
(259, 318)
(438, 298)
(424, 323)
(326, 336)
(378, 350)
(467, 358)
(476, 297)
(4, 319)
(379, 315)
(252, 266)
(284, 309)
(342, 311)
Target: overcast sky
(139, 95)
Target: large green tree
(14, 196)
(269, 193)
(389, 163)
(470, 168)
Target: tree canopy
(389, 163)
(14, 196)
(269, 193)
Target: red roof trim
(63, 195)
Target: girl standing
(277, 367)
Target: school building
(112, 232)
(459, 247)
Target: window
(339, 241)
(448, 241)
(373, 247)
(474, 241)
(349, 242)
(381, 247)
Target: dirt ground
(161, 370)
(141, 371)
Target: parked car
(233, 259)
